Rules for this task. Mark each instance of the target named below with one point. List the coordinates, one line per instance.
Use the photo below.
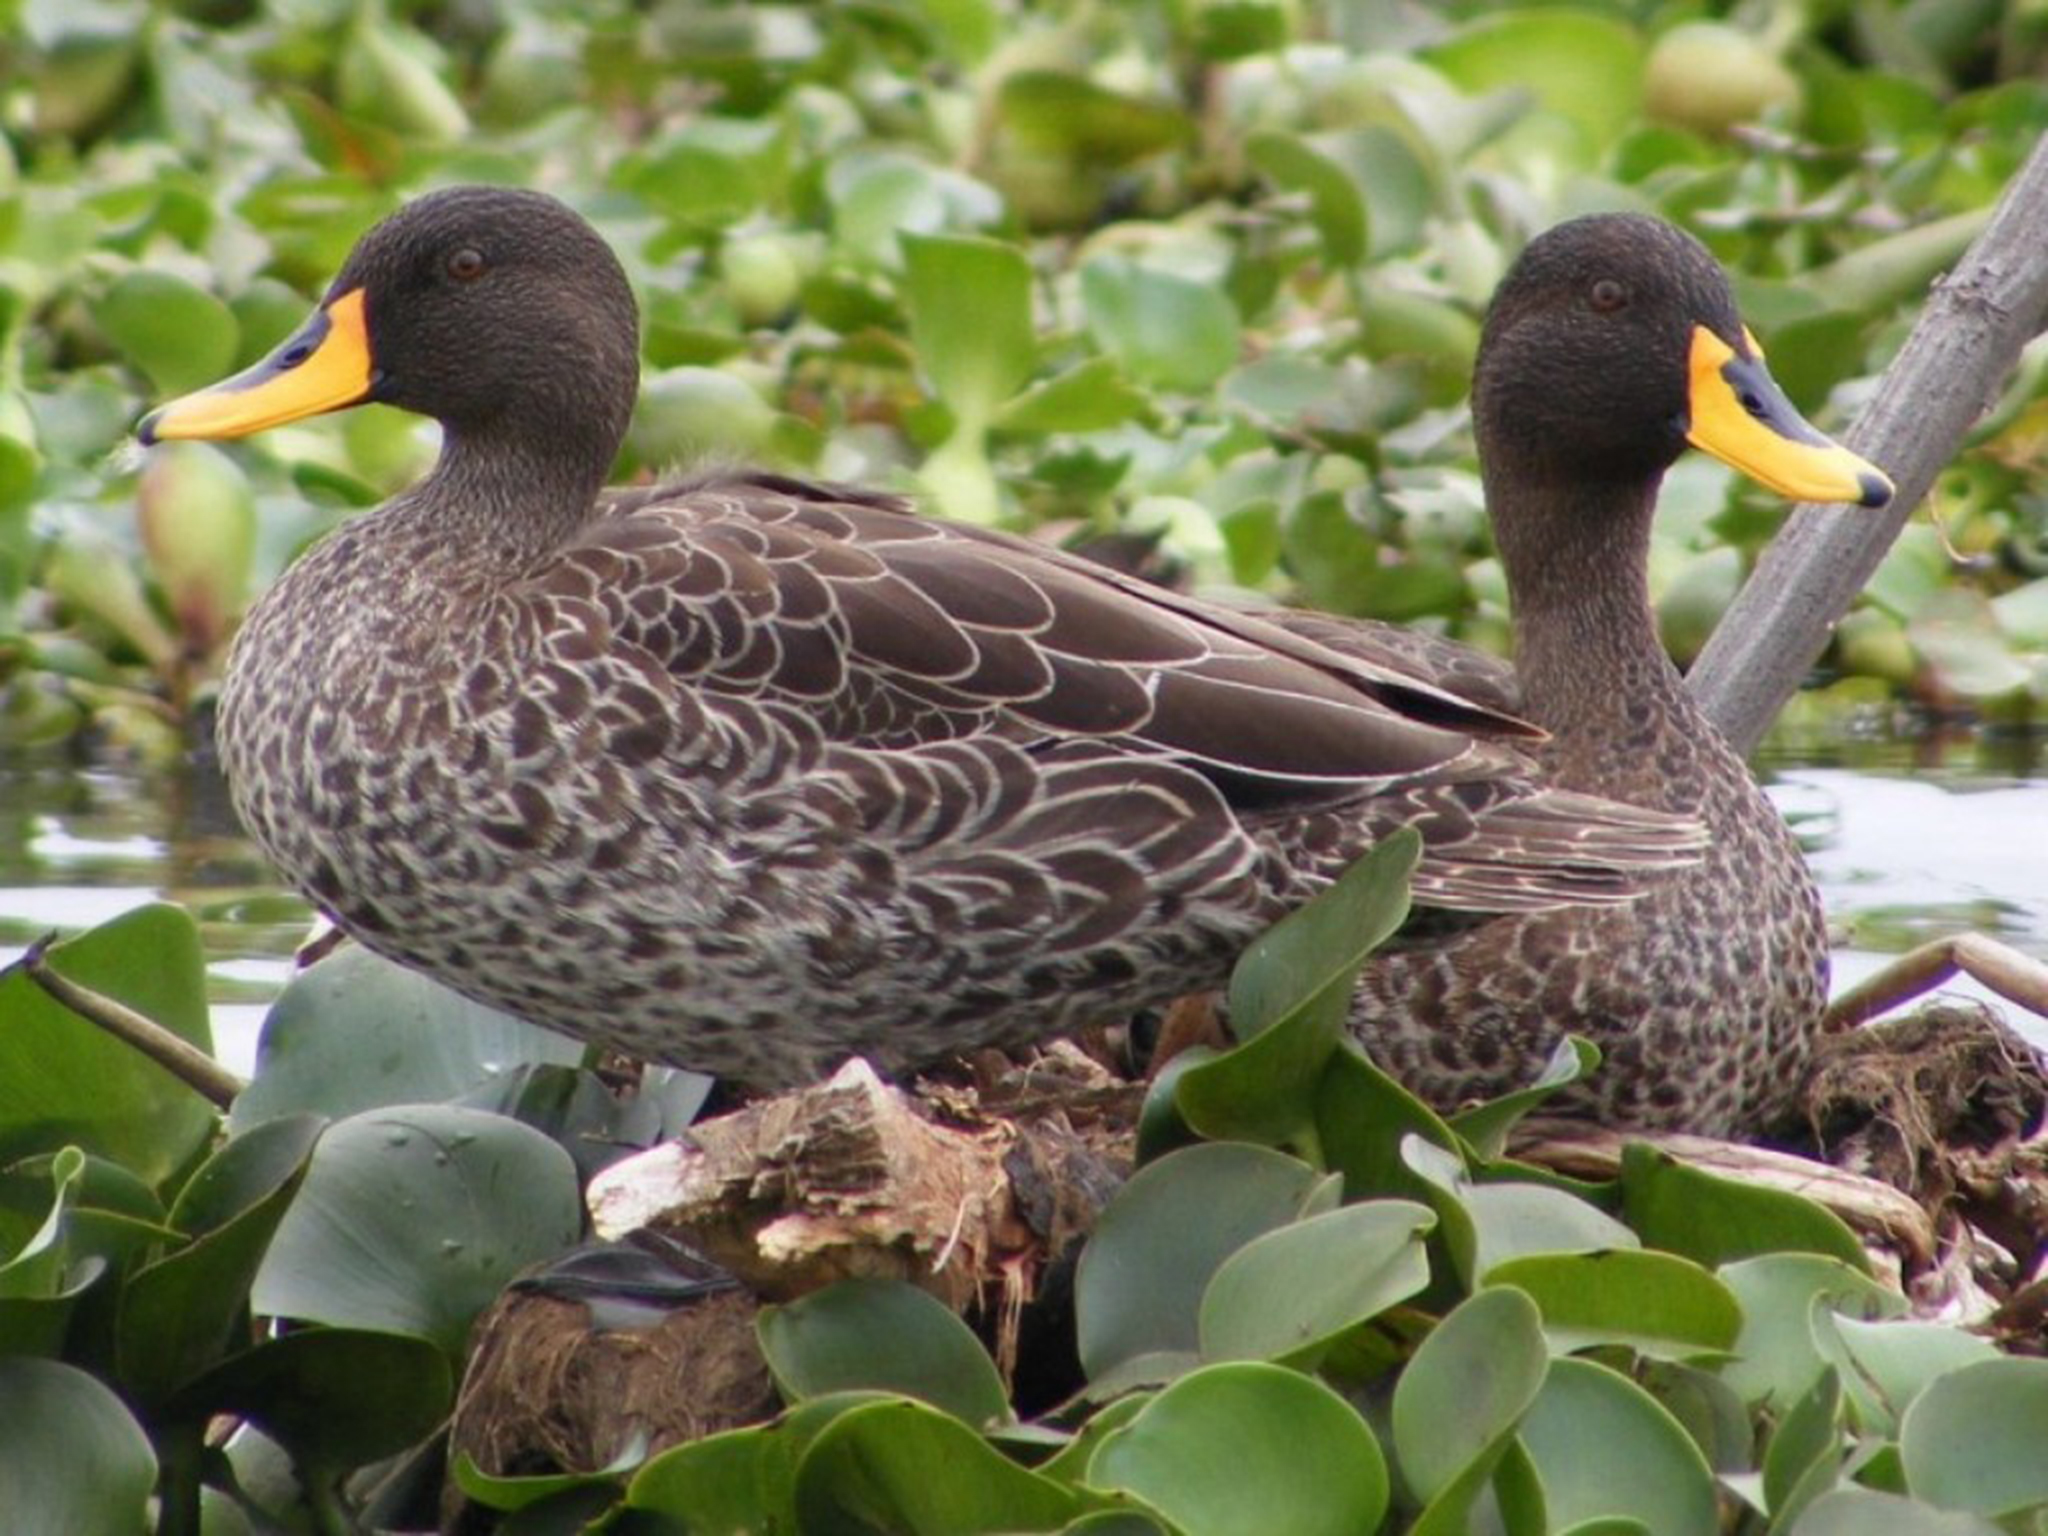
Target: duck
(751, 774)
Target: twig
(2016, 977)
(1949, 371)
(177, 1056)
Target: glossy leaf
(901, 1468)
(1486, 1127)
(882, 1335)
(1863, 1512)
(1805, 1454)
(1363, 1118)
(1288, 1294)
(181, 1313)
(337, 1398)
(1715, 1220)
(1603, 1448)
(357, 1032)
(180, 335)
(412, 1218)
(1247, 1449)
(1654, 1303)
(1161, 328)
(1579, 64)
(970, 320)
(64, 1081)
(1139, 1286)
(1457, 1404)
(1089, 397)
(1972, 1440)
(1777, 1358)
(1337, 205)
(56, 1422)
(1887, 1364)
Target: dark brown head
(1612, 344)
(498, 312)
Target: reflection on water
(1910, 839)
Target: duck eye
(467, 264)
(1607, 295)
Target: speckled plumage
(748, 774)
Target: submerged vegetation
(1200, 278)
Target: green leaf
(1089, 397)
(64, 1081)
(1713, 1220)
(1657, 1304)
(1290, 996)
(1070, 114)
(1288, 1294)
(1457, 1405)
(1324, 941)
(1248, 1449)
(178, 335)
(1487, 1225)
(1162, 328)
(358, 1032)
(1337, 204)
(1777, 1358)
(970, 321)
(901, 1468)
(1139, 1286)
(45, 1276)
(1890, 1363)
(55, 1422)
(1862, 1512)
(743, 1482)
(1805, 1455)
(182, 1313)
(1486, 1127)
(1578, 64)
(412, 1218)
(1972, 1440)
(1604, 1448)
(1362, 1119)
(886, 1335)
(336, 1398)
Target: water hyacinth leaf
(175, 333)
(1089, 397)
(732, 1484)
(1138, 1289)
(902, 1468)
(1604, 1448)
(970, 321)
(1888, 1364)
(54, 1421)
(1580, 65)
(358, 1032)
(1069, 114)
(1715, 1221)
(1513, 1220)
(1972, 1440)
(1457, 1404)
(1115, 1522)
(1337, 205)
(516, 1493)
(1776, 1356)
(495, 1196)
(1264, 1090)
(336, 1398)
(1325, 940)
(885, 1335)
(1657, 1304)
(1362, 1119)
(181, 1313)
(198, 520)
(1485, 1127)
(1248, 1449)
(64, 1081)
(1287, 1294)
(1865, 1512)
(1805, 1455)
(39, 1283)
(1162, 328)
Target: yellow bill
(322, 366)
(1741, 417)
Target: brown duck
(750, 774)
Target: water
(1910, 840)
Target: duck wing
(892, 630)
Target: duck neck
(1593, 670)
(509, 495)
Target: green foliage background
(1207, 271)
